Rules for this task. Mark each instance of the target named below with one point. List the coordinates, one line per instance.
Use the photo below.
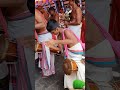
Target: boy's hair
(76, 1)
(52, 25)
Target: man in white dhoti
(76, 16)
(44, 35)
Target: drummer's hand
(50, 42)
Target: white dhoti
(80, 74)
(76, 29)
(49, 55)
(44, 37)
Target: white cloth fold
(76, 29)
(80, 74)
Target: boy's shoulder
(67, 32)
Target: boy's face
(55, 32)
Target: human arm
(40, 24)
(69, 39)
(54, 48)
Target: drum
(8, 50)
(90, 85)
(38, 48)
(69, 66)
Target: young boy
(74, 49)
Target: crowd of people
(61, 32)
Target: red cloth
(114, 25)
(83, 31)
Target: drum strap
(6, 48)
(65, 46)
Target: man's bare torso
(74, 13)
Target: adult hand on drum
(50, 43)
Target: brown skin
(40, 25)
(76, 14)
(46, 15)
(55, 16)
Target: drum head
(74, 66)
(67, 67)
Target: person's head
(53, 27)
(51, 10)
(73, 2)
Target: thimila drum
(69, 66)
(38, 47)
(8, 50)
